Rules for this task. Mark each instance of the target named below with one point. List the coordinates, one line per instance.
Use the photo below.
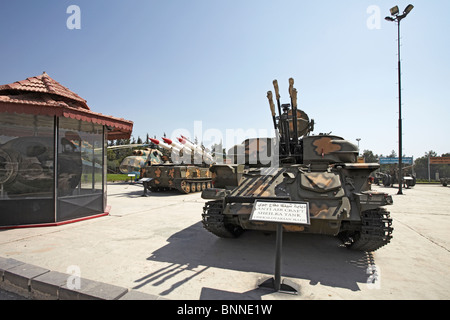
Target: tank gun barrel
(292, 123)
(277, 95)
(293, 95)
(283, 123)
(272, 108)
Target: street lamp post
(395, 16)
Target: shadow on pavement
(317, 258)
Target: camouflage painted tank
(321, 170)
(185, 179)
(184, 176)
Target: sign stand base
(286, 286)
(145, 183)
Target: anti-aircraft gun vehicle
(186, 169)
(321, 170)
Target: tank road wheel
(213, 221)
(193, 188)
(199, 186)
(375, 232)
(387, 180)
(208, 185)
(203, 186)
(185, 186)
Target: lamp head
(408, 9)
(394, 11)
(389, 19)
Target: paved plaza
(156, 245)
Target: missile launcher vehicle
(321, 170)
(187, 170)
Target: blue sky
(174, 64)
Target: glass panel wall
(80, 169)
(33, 189)
(26, 169)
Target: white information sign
(293, 212)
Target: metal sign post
(280, 212)
(145, 182)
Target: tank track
(213, 221)
(376, 231)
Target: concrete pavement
(156, 248)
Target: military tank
(185, 170)
(321, 170)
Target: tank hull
(341, 202)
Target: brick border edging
(38, 283)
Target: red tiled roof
(42, 95)
(44, 84)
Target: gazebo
(52, 154)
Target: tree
(218, 152)
(424, 170)
(369, 156)
(393, 154)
